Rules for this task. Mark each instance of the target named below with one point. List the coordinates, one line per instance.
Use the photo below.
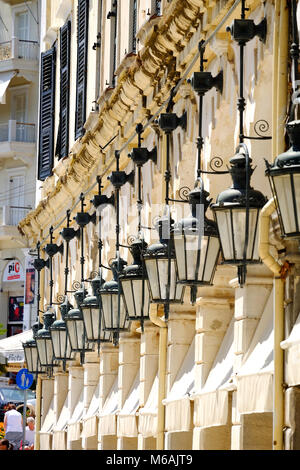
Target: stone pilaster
(60, 392)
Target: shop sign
(13, 271)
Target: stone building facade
(220, 372)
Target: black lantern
(93, 316)
(237, 213)
(113, 305)
(44, 342)
(58, 330)
(284, 177)
(160, 261)
(75, 325)
(134, 284)
(59, 335)
(197, 244)
(31, 354)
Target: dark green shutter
(65, 43)
(81, 78)
(46, 123)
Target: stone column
(75, 384)
(250, 302)
(215, 307)
(60, 392)
(148, 371)
(90, 379)
(129, 363)
(109, 361)
(181, 332)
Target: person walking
(13, 426)
(30, 433)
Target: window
(81, 79)
(112, 15)
(46, 123)
(62, 148)
(156, 7)
(22, 25)
(133, 25)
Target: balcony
(10, 216)
(18, 140)
(19, 49)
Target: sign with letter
(13, 271)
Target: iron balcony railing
(19, 49)
(12, 215)
(14, 131)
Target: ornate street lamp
(237, 209)
(196, 238)
(92, 307)
(284, 174)
(160, 260)
(114, 308)
(74, 317)
(134, 280)
(58, 330)
(43, 336)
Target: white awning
(107, 417)
(5, 78)
(178, 406)
(59, 430)
(292, 353)
(126, 420)
(74, 424)
(255, 378)
(148, 414)
(211, 402)
(89, 423)
(48, 424)
(11, 348)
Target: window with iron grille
(81, 76)
(62, 147)
(46, 118)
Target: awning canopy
(59, 430)
(292, 352)
(107, 417)
(148, 414)
(255, 378)
(5, 78)
(74, 424)
(211, 402)
(89, 423)
(11, 348)
(48, 424)
(126, 420)
(178, 406)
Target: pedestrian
(13, 426)
(30, 433)
(5, 445)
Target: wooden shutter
(63, 137)
(47, 103)
(134, 25)
(81, 79)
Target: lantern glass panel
(157, 270)
(196, 257)
(287, 200)
(76, 334)
(110, 311)
(231, 224)
(45, 351)
(31, 358)
(137, 306)
(61, 344)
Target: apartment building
(19, 84)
